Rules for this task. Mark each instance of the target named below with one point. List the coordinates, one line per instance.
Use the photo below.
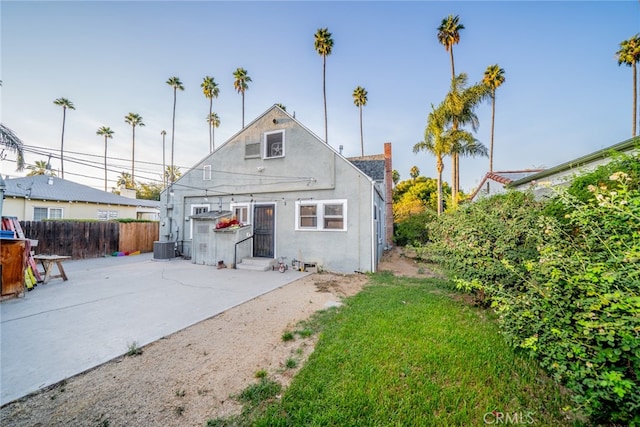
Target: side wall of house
(308, 171)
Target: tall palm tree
(176, 84)
(211, 90)
(448, 35)
(107, 133)
(134, 120)
(164, 180)
(360, 99)
(10, 140)
(458, 108)
(414, 172)
(64, 103)
(629, 54)
(493, 78)
(241, 85)
(323, 44)
(214, 122)
(41, 167)
(436, 142)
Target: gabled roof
(505, 178)
(372, 166)
(38, 188)
(623, 146)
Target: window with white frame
(206, 173)
(274, 144)
(242, 212)
(47, 213)
(327, 215)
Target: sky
(564, 96)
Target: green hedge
(567, 290)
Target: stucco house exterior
(33, 198)
(295, 196)
(561, 175)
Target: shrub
(579, 311)
(487, 241)
(413, 230)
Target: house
(561, 175)
(38, 197)
(496, 182)
(295, 196)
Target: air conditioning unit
(164, 250)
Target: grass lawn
(406, 352)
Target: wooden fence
(90, 239)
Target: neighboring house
(563, 174)
(38, 197)
(300, 198)
(496, 182)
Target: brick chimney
(388, 181)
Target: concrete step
(256, 264)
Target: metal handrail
(235, 249)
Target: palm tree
(414, 172)
(164, 181)
(214, 122)
(107, 133)
(241, 85)
(210, 90)
(448, 35)
(176, 84)
(281, 106)
(41, 167)
(64, 103)
(134, 120)
(324, 44)
(629, 54)
(360, 99)
(10, 140)
(493, 78)
(395, 176)
(125, 180)
(172, 173)
(436, 142)
(458, 109)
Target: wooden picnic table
(47, 262)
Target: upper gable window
(206, 173)
(274, 144)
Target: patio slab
(63, 328)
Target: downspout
(374, 240)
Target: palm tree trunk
(64, 116)
(243, 109)
(439, 167)
(493, 117)
(324, 95)
(105, 163)
(210, 125)
(173, 130)
(453, 69)
(361, 135)
(133, 154)
(635, 98)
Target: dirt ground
(190, 376)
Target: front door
(263, 230)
